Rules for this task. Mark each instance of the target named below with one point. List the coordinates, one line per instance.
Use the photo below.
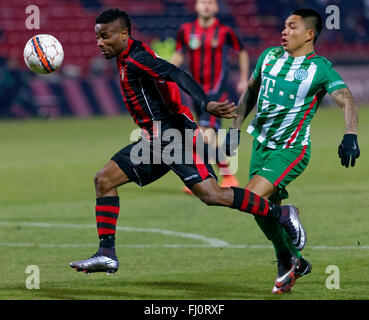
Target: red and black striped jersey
(147, 93)
(207, 49)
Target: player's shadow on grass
(152, 290)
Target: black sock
(274, 211)
(284, 255)
(107, 246)
(107, 241)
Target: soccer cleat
(96, 263)
(229, 181)
(289, 219)
(286, 275)
(303, 268)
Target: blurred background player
(15, 91)
(207, 42)
(288, 84)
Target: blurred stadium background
(88, 85)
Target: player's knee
(102, 183)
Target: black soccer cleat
(286, 274)
(96, 263)
(303, 268)
(289, 219)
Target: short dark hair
(312, 19)
(111, 15)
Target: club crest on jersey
(275, 53)
(194, 42)
(301, 74)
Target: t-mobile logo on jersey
(268, 86)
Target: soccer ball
(43, 53)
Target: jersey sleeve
(332, 80)
(233, 40)
(152, 66)
(257, 71)
(180, 40)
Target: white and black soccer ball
(43, 53)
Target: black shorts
(146, 169)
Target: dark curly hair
(111, 15)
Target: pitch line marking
(209, 242)
(179, 245)
(212, 242)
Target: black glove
(349, 149)
(231, 142)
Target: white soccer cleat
(96, 263)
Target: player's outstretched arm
(195, 91)
(244, 65)
(345, 100)
(245, 105)
(177, 58)
(348, 150)
(247, 102)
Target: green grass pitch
(170, 245)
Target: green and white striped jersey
(290, 93)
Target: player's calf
(211, 194)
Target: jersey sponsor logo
(194, 42)
(301, 74)
(214, 42)
(275, 53)
(335, 83)
(268, 86)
